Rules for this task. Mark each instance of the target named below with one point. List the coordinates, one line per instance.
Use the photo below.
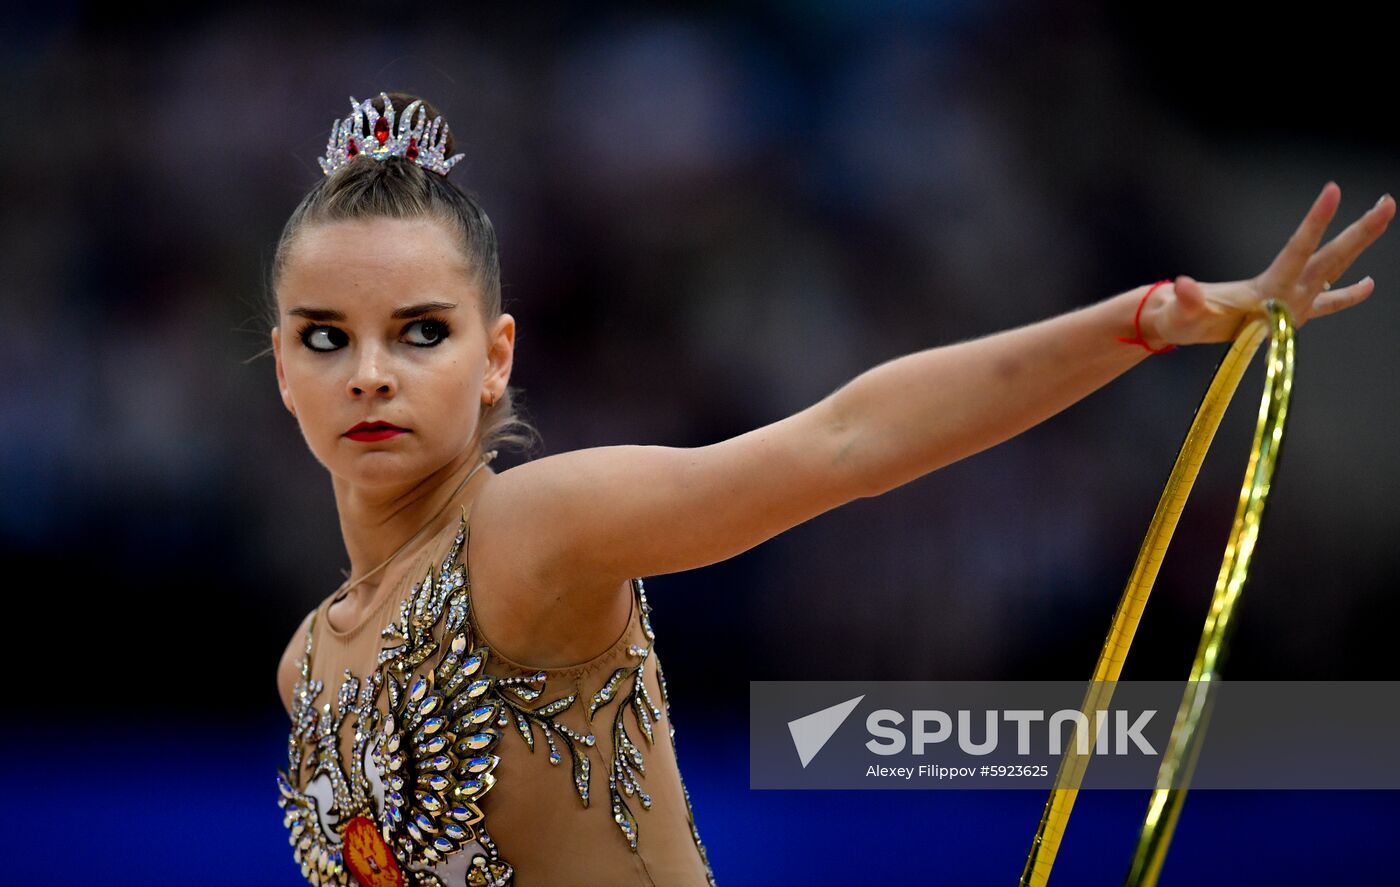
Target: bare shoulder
(521, 515)
(289, 668)
(529, 610)
(556, 540)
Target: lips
(374, 430)
(374, 425)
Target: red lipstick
(373, 430)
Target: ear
(281, 375)
(500, 353)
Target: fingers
(1334, 300)
(1332, 261)
(1291, 261)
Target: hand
(1194, 312)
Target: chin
(376, 468)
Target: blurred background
(711, 217)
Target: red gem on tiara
(381, 130)
(350, 148)
(412, 151)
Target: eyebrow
(401, 313)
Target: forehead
(375, 256)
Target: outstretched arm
(917, 413)
(593, 517)
(965, 398)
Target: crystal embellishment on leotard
(433, 748)
(438, 742)
(671, 727)
(322, 861)
(436, 747)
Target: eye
(322, 338)
(431, 332)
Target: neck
(376, 522)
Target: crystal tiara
(420, 142)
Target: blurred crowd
(708, 221)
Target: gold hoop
(1178, 761)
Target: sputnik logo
(811, 732)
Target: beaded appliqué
(435, 746)
(322, 862)
(671, 729)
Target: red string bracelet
(1137, 324)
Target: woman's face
(378, 321)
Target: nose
(371, 375)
